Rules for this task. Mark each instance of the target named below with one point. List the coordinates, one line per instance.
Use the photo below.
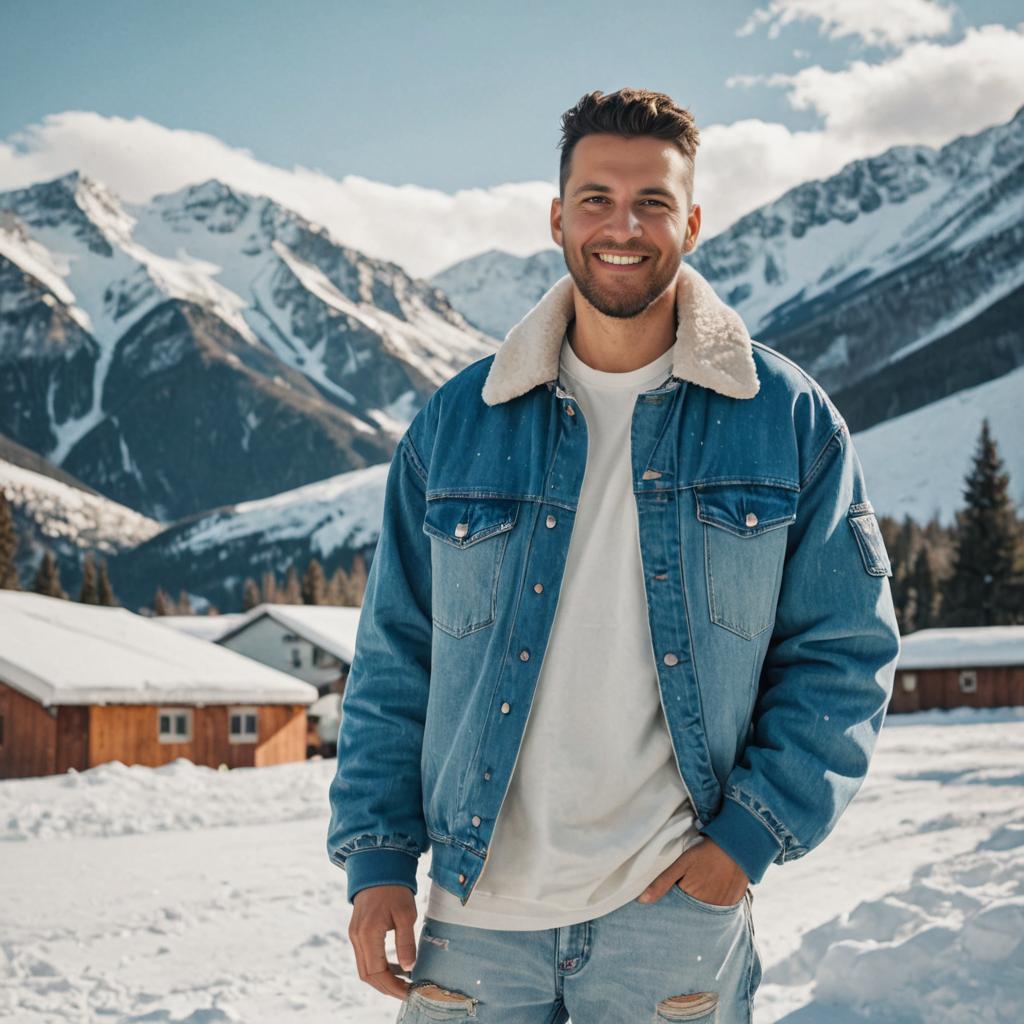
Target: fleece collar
(712, 346)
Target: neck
(617, 344)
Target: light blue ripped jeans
(678, 959)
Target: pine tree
(8, 546)
(250, 594)
(184, 603)
(984, 587)
(162, 604)
(292, 587)
(357, 580)
(337, 587)
(89, 592)
(314, 584)
(269, 587)
(922, 582)
(106, 591)
(47, 579)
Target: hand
(377, 910)
(710, 873)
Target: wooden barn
(84, 684)
(965, 666)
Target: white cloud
(423, 229)
(927, 94)
(875, 22)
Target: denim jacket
(767, 591)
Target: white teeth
(622, 260)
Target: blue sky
(427, 133)
(443, 95)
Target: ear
(556, 220)
(693, 226)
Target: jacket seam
(413, 458)
(819, 460)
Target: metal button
(506, 708)
(462, 879)
(487, 775)
(549, 522)
(671, 659)
(476, 819)
(462, 529)
(569, 409)
(538, 588)
(751, 519)
(524, 655)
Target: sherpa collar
(712, 346)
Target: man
(648, 537)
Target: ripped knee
(693, 1006)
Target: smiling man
(627, 638)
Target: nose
(623, 222)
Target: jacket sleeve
(827, 676)
(377, 831)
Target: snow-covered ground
(183, 894)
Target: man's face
(624, 196)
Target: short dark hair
(628, 112)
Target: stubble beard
(625, 302)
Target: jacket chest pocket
(468, 537)
(744, 551)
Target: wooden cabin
(84, 684)
(313, 642)
(964, 666)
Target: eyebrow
(651, 190)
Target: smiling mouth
(626, 262)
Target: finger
(387, 982)
(405, 943)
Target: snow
(206, 627)
(962, 647)
(63, 652)
(342, 510)
(61, 511)
(332, 628)
(915, 464)
(188, 895)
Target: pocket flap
(864, 523)
(746, 509)
(464, 521)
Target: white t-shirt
(595, 808)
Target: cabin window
(175, 725)
(969, 681)
(242, 725)
(909, 682)
(296, 658)
(324, 659)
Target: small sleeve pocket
(864, 524)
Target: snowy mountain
(495, 290)
(54, 511)
(897, 281)
(211, 554)
(209, 346)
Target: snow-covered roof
(206, 627)
(63, 652)
(331, 627)
(962, 647)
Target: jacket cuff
(744, 837)
(379, 866)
